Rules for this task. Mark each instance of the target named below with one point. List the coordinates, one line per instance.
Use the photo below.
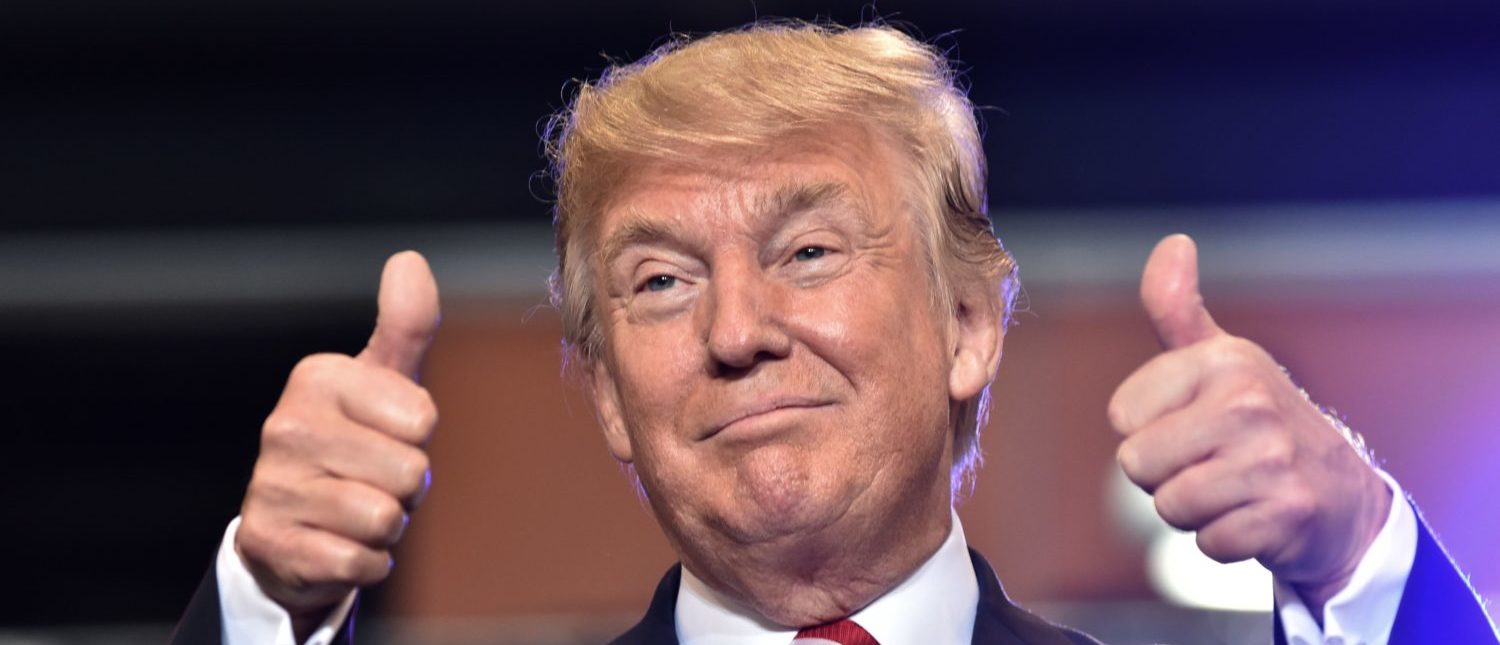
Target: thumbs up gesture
(1229, 447)
(341, 460)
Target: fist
(1229, 447)
(341, 457)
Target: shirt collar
(936, 604)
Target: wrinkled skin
(778, 375)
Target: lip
(767, 409)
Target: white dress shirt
(935, 605)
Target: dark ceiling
(169, 114)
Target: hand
(341, 459)
(1229, 447)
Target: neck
(796, 581)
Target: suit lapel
(998, 621)
(659, 625)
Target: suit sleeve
(1438, 605)
(201, 624)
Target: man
(778, 277)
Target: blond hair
(748, 89)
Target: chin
(786, 522)
(785, 499)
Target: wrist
(1317, 593)
(307, 611)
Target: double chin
(798, 556)
(795, 580)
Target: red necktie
(842, 632)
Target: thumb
(408, 315)
(1169, 290)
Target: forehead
(843, 167)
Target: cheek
(889, 345)
(880, 331)
(655, 366)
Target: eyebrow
(638, 230)
(796, 198)
(772, 209)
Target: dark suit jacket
(1437, 606)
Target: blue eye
(659, 283)
(809, 253)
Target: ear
(607, 404)
(979, 334)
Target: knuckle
(1278, 454)
(1217, 545)
(360, 566)
(1232, 353)
(1224, 544)
(385, 517)
(1119, 416)
(422, 416)
(1125, 456)
(1165, 508)
(1170, 507)
(1138, 467)
(1129, 458)
(346, 564)
(412, 476)
(379, 566)
(343, 567)
(1253, 404)
(317, 369)
(282, 430)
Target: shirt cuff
(1364, 611)
(251, 617)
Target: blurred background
(195, 195)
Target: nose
(744, 323)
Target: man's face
(774, 365)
